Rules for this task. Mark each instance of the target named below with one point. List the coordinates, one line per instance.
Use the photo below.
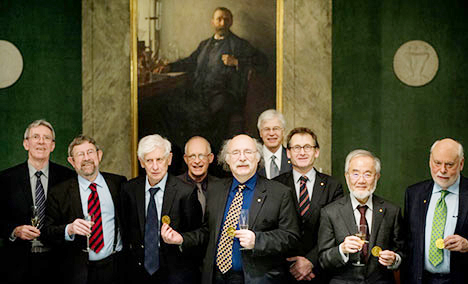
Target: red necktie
(362, 221)
(96, 240)
(304, 201)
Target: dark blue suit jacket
(416, 204)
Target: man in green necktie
(436, 213)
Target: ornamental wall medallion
(415, 63)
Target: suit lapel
(292, 186)
(25, 185)
(318, 192)
(285, 163)
(378, 214)
(347, 215)
(139, 191)
(169, 195)
(74, 191)
(462, 204)
(422, 202)
(221, 206)
(258, 200)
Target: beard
(87, 172)
(361, 195)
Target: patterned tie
(96, 240)
(304, 201)
(152, 235)
(224, 253)
(274, 170)
(40, 200)
(436, 256)
(365, 247)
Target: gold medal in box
(439, 244)
(376, 251)
(166, 219)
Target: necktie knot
(153, 191)
(303, 179)
(92, 186)
(444, 193)
(362, 209)
(273, 158)
(241, 187)
(38, 174)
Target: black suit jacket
(326, 189)
(180, 203)
(15, 210)
(417, 200)
(209, 180)
(337, 222)
(285, 166)
(272, 218)
(63, 207)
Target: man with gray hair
(271, 124)
(250, 222)
(436, 215)
(148, 202)
(25, 189)
(83, 219)
(361, 234)
(198, 158)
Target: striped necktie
(304, 201)
(40, 200)
(96, 240)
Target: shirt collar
(33, 170)
(454, 188)
(84, 183)
(355, 203)
(267, 153)
(250, 184)
(310, 175)
(161, 184)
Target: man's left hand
(456, 243)
(246, 238)
(301, 269)
(387, 257)
(230, 60)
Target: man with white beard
(371, 228)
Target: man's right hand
(80, 227)
(26, 232)
(170, 236)
(351, 244)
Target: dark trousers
(436, 278)
(106, 271)
(230, 277)
(33, 267)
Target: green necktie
(436, 256)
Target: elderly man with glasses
(235, 254)
(312, 191)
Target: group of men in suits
(99, 228)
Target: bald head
(446, 162)
(198, 157)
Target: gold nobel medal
(439, 244)
(166, 219)
(376, 251)
(230, 231)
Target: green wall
(373, 110)
(48, 34)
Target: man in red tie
(82, 219)
(360, 223)
(312, 190)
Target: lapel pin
(425, 201)
(259, 200)
(380, 210)
(321, 183)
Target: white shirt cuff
(67, 236)
(344, 256)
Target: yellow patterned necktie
(436, 255)
(224, 253)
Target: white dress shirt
(267, 158)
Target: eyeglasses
(366, 176)
(274, 129)
(307, 148)
(249, 154)
(193, 157)
(37, 138)
(90, 152)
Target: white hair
(361, 153)
(36, 123)
(460, 147)
(222, 156)
(149, 143)
(270, 114)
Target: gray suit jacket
(272, 218)
(285, 166)
(337, 222)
